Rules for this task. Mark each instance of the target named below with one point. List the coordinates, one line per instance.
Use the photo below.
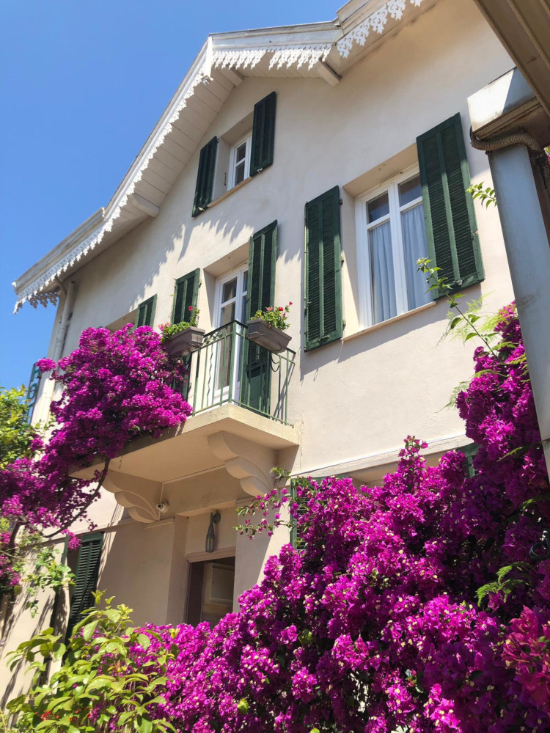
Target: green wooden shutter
(323, 270)
(263, 134)
(261, 270)
(187, 288)
(146, 312)
(451, 227)
(470, 452)
(205, 176)
(87, 573)
(256, 364)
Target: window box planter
(185, 342)
(271, 338)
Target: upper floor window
(223, 165)
(391, 238)
(239, 164)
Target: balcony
(239, 430)
(230, 370)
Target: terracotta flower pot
(185, 342)
(271, 338)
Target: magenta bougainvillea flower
(377, 623)
(116, 386)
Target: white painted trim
(233, 160)
(389, 321)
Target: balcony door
(231, 307)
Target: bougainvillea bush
(115, 387)
(414, 606)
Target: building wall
(327, 136)
(353, 399)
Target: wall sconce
(210, 534)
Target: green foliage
(16, 433)
(275, 317)
(169, 330)
(508, 578)
(466, 321)
(46, 573)
(486, 195)
(97, 688)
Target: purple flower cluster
(116, 386)
(375, 624)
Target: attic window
(239, 165)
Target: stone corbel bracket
(237, 453)
(140, 496)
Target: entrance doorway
(211, 585)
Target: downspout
(64, 323)
(59, 344)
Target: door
(231, 307)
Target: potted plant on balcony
(180, 339)
(267, 328)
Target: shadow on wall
(341, 351)
(53, 613)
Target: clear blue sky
(83, 82)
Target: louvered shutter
(470, 452)
(146, 312)
(256, 369)
(205, 176)
(261, 270)
(451, 228)
(263, 134)
(187, 288)
(87, 573)
(323, 270)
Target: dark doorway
(211, 586)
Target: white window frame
(233, 160)
(391, 186)
(237, 273)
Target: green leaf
(144, 641)
(243, 706)
(145, 726)
(88, 630)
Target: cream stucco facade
(350, 402)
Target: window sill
(378, 326)
(228, 193)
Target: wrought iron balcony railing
(230, 369)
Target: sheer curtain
(383, 279)
(414, 247)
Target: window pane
(229, 290)
(228, 314)
(414, 247)
(239, 173)
(382, 274)
(245, 281)
(241, 152)
(377, 208)
(409, 190)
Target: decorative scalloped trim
(37, 293)
(375, 22)
(238, 59)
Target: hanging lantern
(210, 534)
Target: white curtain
(415, 247)
(383, 279)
